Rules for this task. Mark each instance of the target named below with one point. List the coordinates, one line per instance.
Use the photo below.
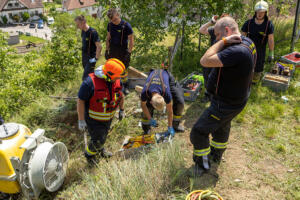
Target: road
(44, 33)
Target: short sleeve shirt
(212, 35)
(86, 92)
(156, 87)
(116, 33)
(89, 38)
(257, 31)
(236, 73)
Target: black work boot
(126, 88)
(91, 160)
(202, 165)
(177, 127)
(146, 128)
(216, 154)
(105, 154)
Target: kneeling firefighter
(161, 89)
(98, 99)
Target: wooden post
(199, 43)
(295, 26)
(181, 53)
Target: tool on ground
(30, 162)
(203, 195)
(145, 140)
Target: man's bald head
(226, 26)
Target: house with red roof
(9, 9)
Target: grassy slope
(261, 162)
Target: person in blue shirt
(233, 59)
(91, 46)
(119, 40)
(1, 120)
(161, 90)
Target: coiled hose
(203, 195)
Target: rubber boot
(105, 154)
(202, 165)
(216, 154)
(256, 77)
(177, 127)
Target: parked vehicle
(40, 26)
(50, 20)
(32, 25)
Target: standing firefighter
(91, 46)
(158, 91)
(98, 98)
(118, 34)
(260, 30)
(233, 59)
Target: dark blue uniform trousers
(216, 120)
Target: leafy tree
(16, 18)
(4, 19)
(25, 16)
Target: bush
(4, 19)
(16, 18)
(25, 16)
(37, 73)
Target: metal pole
(295, 25)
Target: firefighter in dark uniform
(98, 99)
(91, 46)
(161, 89)
(261, 31)
(119, 40)
(233, 59)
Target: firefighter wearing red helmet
(99, 97)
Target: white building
(88, 6)
(10, 8)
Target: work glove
(82, 126)
(270, 57)
(121, 114)
(106, 54)
(93, 60)
(153, 122)
(171, 131)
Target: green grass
(25, 39)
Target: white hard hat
(261, 6)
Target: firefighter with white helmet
(261, 31)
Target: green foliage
(38, 73)
(4, 19)
(155, 20)
(16, 18)
(25, 16)
(43, 17)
